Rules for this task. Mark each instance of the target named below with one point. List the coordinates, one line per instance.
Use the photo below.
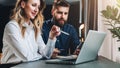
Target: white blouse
(19, 49)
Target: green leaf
(108, 7)
(112, 18)
(105, 14)
(115, 12)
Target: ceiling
(12, 2)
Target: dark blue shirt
(65, 43)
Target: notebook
(88, 52)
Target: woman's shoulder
(12, 23)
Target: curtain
(90, 15)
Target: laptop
(88, 52)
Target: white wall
(108, 48)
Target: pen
(78, 47)
(64, 32)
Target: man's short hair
(62, 3)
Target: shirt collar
(26, 24)
(52, 21)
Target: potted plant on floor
(112, 19)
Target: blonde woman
(22, 41)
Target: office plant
(112, 19)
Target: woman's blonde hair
(19, 15)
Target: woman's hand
(54, 32)
(55, 53)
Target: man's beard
(58, 23)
